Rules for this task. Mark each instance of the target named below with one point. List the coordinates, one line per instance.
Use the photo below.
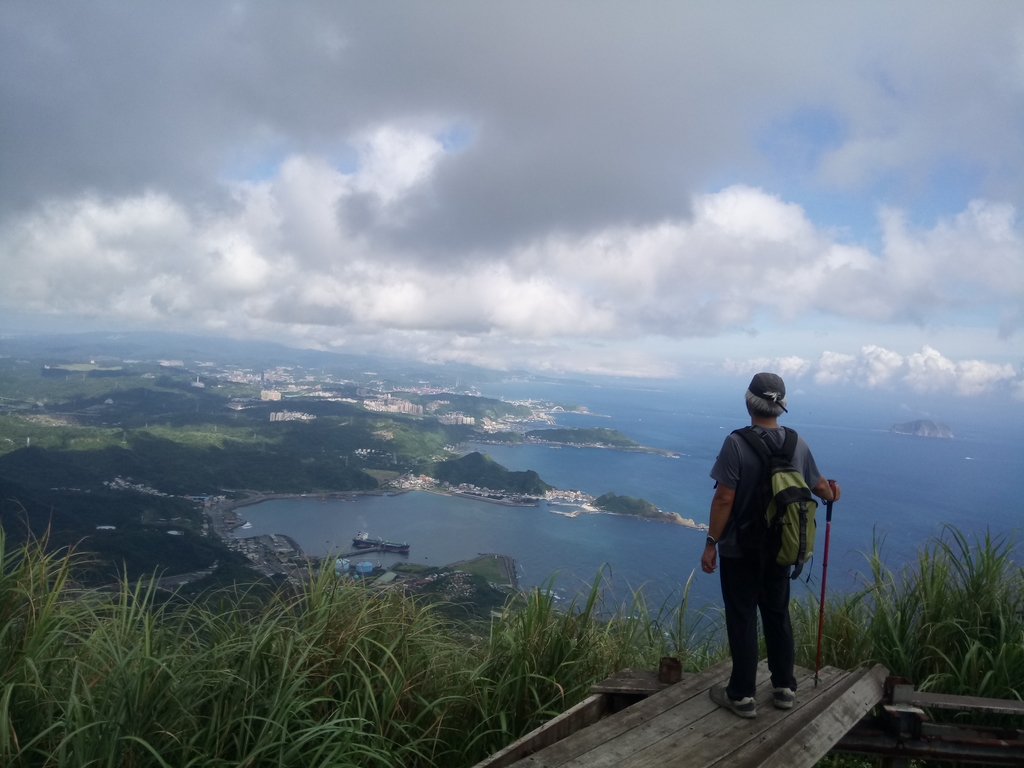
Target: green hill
(579, 436)
(180, 468)
(137, 544)
(481, 470)
(472, 405)
(627, 505)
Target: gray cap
(770, 387)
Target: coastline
(603, 446)
(606, 447)
(672, 518)
(224, 518)
(230, 505)
(470, 496)
(475, 497)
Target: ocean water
(898, 490)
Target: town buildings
(291, 416)
(456, 418)
(389, 404)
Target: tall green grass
(541, 659)
(951, 622)
(330, 674)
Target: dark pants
(749, 584)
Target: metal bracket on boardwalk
(902, 730)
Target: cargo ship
(362, 540)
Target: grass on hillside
(18, 431)
(953, 622)
(331, 674)
(382, 475)
(486, 566)
(327, 675)
(25, 383)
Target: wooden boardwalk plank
(574, 719)
(819, 735)
(585, 740)
(699, 745)
(696, 712)
(633, 681)
(905, 694)
(783, 725)
(682, 727)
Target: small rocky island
(922, 428)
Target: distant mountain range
(922, 428)
(107, 346)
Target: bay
(445, 529)
(897, 490)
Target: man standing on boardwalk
(751, 579)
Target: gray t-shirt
(739, 467)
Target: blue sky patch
(255, 162)
(794, 145)
(456, 137)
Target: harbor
(549, 550)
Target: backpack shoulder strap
(756, 442)
(788, 445)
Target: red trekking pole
(824, 576)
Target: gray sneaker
(783, 697)
(744, 707)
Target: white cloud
(835, 367)
(931, 371)
(924, 371)
(394, 160)
(420, 203)
(557, 93)
(928, 370)
(787, 367)
(879, 364)
(977, 376)
(286, 254)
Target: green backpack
(788, 505)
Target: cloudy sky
(648, 188)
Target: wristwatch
(711, 541)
